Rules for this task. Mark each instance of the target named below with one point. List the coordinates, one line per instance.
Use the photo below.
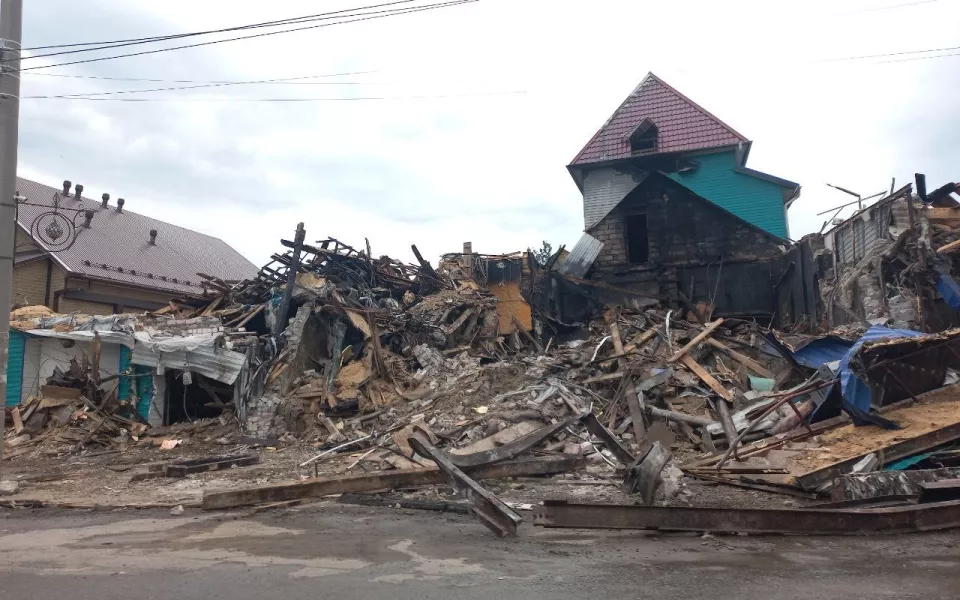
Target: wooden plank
(17, 422)
(607, 377)
(696, 340)
(935, 215)
(328, 486)
(743, 359)
(706, 377)
(629, 387)
(54, 396)
(948, 247)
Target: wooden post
(281, 323)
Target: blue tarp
(820, 352)
(856, 394)
(949, 290)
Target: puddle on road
(428, 569)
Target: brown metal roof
(117, 246)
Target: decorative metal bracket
(57, 229)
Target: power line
(919, 58)
(887, 54)
(374, 15)
(288, 80)
(160, 38)
(878, 8)
(284, 80)
(290, 100)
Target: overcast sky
(483, 106)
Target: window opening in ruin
(638, 240)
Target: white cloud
(488, 169)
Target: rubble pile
(74, 410)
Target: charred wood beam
(368, 482)
(802, 521)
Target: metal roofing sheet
(581, 258)
(117, 246)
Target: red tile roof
(683, 125)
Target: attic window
(643, 140)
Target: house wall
(52, 354)
(31, 369)
(687, 239)
(754, 200)
(604, 188)
(30, 282)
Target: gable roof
(682, 124)
(120, 240)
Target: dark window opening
(638, 241)
(203, 398)
(644, 138)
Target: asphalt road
(331, 551)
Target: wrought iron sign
(57, 229)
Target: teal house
(668, 197)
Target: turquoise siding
(18, 342)
(144, 376)
(754, 200)
(123, 389)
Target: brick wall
(68, 305)
(682, 230)
(686, 234)
(30, 282)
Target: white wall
(31, 369)
(51, 354)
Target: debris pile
(75, 409)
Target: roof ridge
(684, 125)
(687, 99)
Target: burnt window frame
(631, 246)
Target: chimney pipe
(87, 218)
(79, 191)
(66, 188)
(153, 237)
(120, 202)
(105, 200)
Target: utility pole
(11, 29)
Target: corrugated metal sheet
(185, 354)
(120, 240)
(581, 258)
(15, 367)
(856, 237)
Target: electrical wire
(887, 54)
(288, 80)
(878, 8)
(364, 17)
(290, 100)
(919, 58)
(175, 36)
(200, 86)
